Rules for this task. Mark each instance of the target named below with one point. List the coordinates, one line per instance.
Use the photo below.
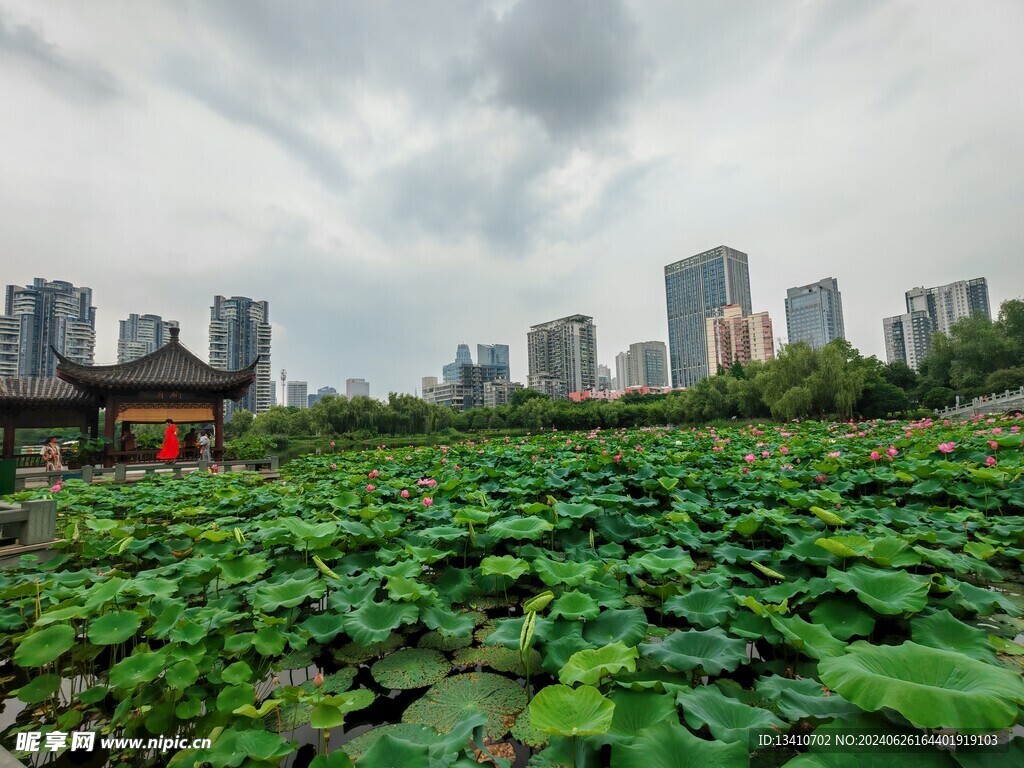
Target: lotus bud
(540, 602)
(318, 680)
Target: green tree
(239, 423)
(1007, 378)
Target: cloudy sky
(398, 177)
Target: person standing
(204, 446)
(169, 451)
(51, 455)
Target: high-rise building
(908, 337)
(50, 314)
(449, 393)
(357, 388)
(239, 332)
(647, 364)
(697, 288)
(604, 378)
(814, 313)
(10, 345)
(139, 335)
(499, 392)
(622, 370)
(450, 372)
(737, 338)
(494, 354)
(428, 381)
(564, 350)
(314, 399)
(297, 394)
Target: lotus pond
(659, 598)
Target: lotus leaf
(415, 734)
(702, 607)
(44, 646)
(451, 701)
(519, 528)
(496, 657)
(813, 640)
(589, 666)
(288, 594)
(712, 650)
(636, 712)
(241, 570)
(574, 605)
(628, 625)
(569, 573)
(373, 622)
(798, 699)
(139, 668)
(664, 561)
(728, 720)
(505, 565)
(843, 618)
(886, 592)
(410, 668)
(932, 688)
(669, 745)
(563, 711)
(39, 688)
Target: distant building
(139, 335)
(499, 392)
(647, 364)
(297, 394)
(563, 351)
(621, 370)
(496, 355)
(314, 399)
(428, 381)
(552, 386)
(448, 393)
(604, 378)
(10, 345)
(932, 310)
(49, 314)
(814, 313)
(698, 288)
(239, 332)
(735, 338)
(450, 372)
(357, 388)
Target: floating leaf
(410, 668)
(563, 711)
(451, 701)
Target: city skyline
(427, 187)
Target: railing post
(120, 473)
(273, 463)
(42, 521)
(87, 470)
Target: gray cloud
(72, 77)
(574, 65)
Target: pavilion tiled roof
(25, 391)
(172, 366)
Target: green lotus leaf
(137, 669)
(524, 732)
(799, 699)
(244, 569)
(373, 622)
(410, 590)
(813, 640)
(728, 720)
(269, 641)
(450, 621)
(932, 688)
(498, 658)
(114, 628)
(268, 598)
(861, 759)
(442, 642)
(845, 546)
(44, 646)
(575, 605)
(451, 701)
(942, 630)
(232, 697)
(407, 732)
(505, 565)
(843, 618)
(39, 688)
(711, 650)
(589, 666)
(636, 712)
(886, 592)
(892, 552)
(670, 745)
(239, 672)
(519, 528)
(410, 668)
(569, 573)
(702, 607)
(538, 603)
(181, 675)
(663, 561)
(263, 745)
(628, 625)
(563, 711)
(392, 752)
(330, 711)
(323, 627)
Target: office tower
(320, 393)
(697, 288)
(737, 338)
(604, 378)
(297, 394)
(932, 310)
(499, 392)
(622, 370)
(239, 333)
(450, 372)
(50, 314)
(647, 364)
(428, 381)
(564, 352)
(814, 313)
(357, 388)
(141, 334)
(496, 355)
(10, 344)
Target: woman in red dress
(169, 451)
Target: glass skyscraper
(47, 314)
(695, 289)
(239, 332)
(814, 313)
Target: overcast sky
(399, 177)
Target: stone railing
(28, 523)
(993, 403)
(120, 473)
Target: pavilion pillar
(110, 417)
(8, 424)
(218, 430)
(93, 424)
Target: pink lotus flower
(749, 458)
(891, 452)
(820, 478)
(374, 473)
(334, 466)
(55, 488)
(993, 445)
(404, 494)
(766, 454)
(332, 443)
(371, 488)
(946, 447)
(784, 450)
(318, 679)
(427, 501)
(833, 454)
(617, 457)
(997, 430)
(875, 456)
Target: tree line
(980, 356)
